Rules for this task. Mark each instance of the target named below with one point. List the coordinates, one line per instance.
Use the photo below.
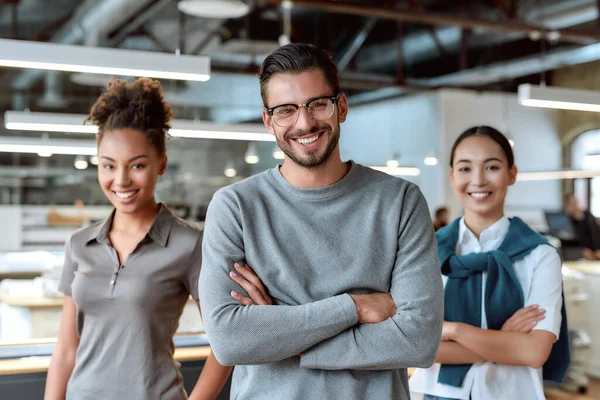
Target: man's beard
(310, 159)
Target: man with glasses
(348, 256)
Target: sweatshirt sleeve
(255, 334)
(411, 337)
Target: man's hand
(247, 279)
(525, 319)
(373, 308)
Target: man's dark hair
(296, 58)
(567, 197)
(440, 210)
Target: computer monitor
(560, 225)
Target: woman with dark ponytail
(127, 279)
(505, 328)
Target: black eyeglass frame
(333, 99)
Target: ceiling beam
(436, 18)
(506, 10)
(355, 43)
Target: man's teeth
(308, 140)
(480, 195)
(125, 195)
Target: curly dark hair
(139, 105)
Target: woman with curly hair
(127, 279)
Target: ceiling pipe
(511, 69)
(435, 18)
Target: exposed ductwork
(564, 14)
(511, 69)
(92, 21)
(420, 46)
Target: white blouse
(540, 276)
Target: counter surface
(587, 267)
(30, 365)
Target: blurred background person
(586, 227)
(440, 218)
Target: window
(585, 154)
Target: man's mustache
(300, 133)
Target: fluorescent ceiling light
(47, 122)
(73, 123)
(209, 130)
(398, 171)
(555, 175)
(559, 98)
(109, 61)
(54, 146)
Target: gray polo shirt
(127, 314)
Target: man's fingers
(252, 290)
(251, 277)
(242, 299)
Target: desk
(19, 274)
(25, 378)
(586, 267)
(32, 365)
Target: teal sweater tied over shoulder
(503, 292)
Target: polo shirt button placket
(113, 280)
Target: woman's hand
(448, 331)
(247, 279)
(524, 320)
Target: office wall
(408, 126)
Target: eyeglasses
(320, 108)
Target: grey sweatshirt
(311, 248)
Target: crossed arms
(328, 333)
(526, 338)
